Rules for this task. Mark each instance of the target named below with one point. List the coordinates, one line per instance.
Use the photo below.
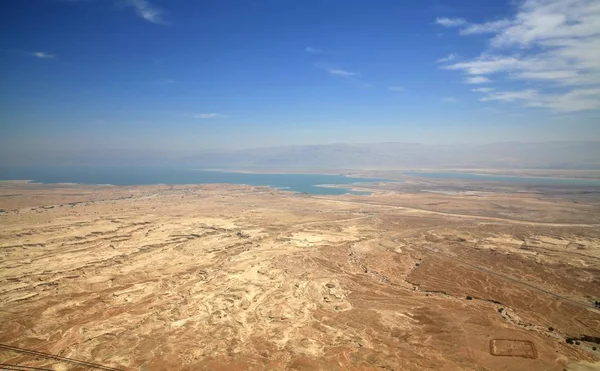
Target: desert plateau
(418, 275)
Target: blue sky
(195, 75)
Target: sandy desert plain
(428, 274)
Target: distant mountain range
(517, 155)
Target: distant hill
(517, 155)
(555, 155)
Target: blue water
(510, 179)
(303, 183)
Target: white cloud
(571, 101)
(397, 89)
(489, 27)
(209, 115)
(491, 64)
(43, 55)
(449, 100)
(146, 10)
(450, 22)
(511, 96)
(547, 75)
(449, 58)
(311, 50)
(575, 100)
(540, 20)
(340, 72)
(477, 80)
(482, 90)
(552, 43)
(345, 76)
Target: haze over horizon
(383, 155)
(152, 75)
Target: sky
(230, 74)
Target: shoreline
(507, 173)
(366, 177)
(279, 172)
(481, 176)
(349, 188)
(575, 174)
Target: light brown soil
(246, 278)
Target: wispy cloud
(345, 76)
(340, 72)
(334, 71)
(311, 50)
(42, 55)
(482, 90)
(146, 10)
(552, 43)
(477, 80)
(511, 96)
(450, 22)
(572, 101)
(397, 89)
(488, 27)
(211, 115)
(449, 58)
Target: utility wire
(8, 366)
(55, 357)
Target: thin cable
(8, 366)
(59, 358)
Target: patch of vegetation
(469, 297)
(550, 328)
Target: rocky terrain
(226, 277)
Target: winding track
(464, 216)
(509, 279)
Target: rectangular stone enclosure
(512, 348)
